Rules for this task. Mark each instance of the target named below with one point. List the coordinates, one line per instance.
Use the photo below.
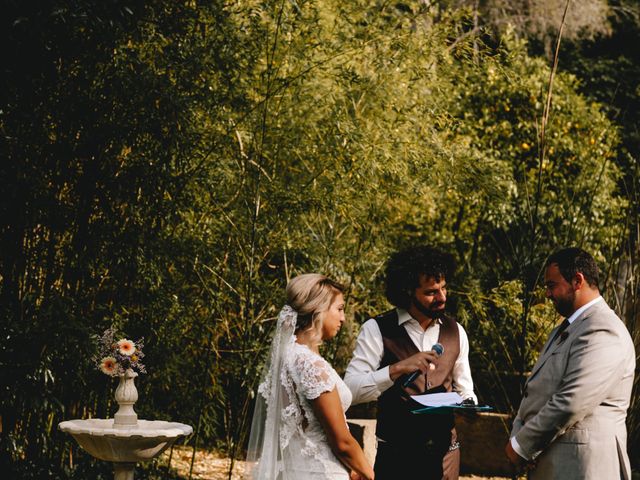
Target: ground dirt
(210, 466)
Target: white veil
(270, 429)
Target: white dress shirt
(367, 383)
(574, 315)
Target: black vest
(395, 422)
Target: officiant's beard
(435, 310)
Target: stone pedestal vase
(126, 396)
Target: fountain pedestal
(125, 440)
(123, 471)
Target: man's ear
(579, 281)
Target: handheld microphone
(439, 349)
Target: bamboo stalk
(542, 147)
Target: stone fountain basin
(144, 441)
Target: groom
(571, 422)
(396, 344)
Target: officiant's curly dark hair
(404, 268)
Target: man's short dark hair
(573, 260)
(404, 269)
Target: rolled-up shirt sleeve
(362, 377)
(462, 380)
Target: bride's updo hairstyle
(311, 295)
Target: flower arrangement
(116, 356)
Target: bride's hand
(356, 476)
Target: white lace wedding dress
(287, 441)
(307, 452)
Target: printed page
(438, 399)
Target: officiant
(394, 358)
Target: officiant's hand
(422, 361)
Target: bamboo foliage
(185, 160)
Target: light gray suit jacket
(574, 406)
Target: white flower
(126, 347)
(108, 365)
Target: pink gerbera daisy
(126, 347)
(108, 365)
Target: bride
(299, 429)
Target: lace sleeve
(314, 375)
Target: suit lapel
(568, 333)
(547, 351)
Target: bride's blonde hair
(311, 295)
